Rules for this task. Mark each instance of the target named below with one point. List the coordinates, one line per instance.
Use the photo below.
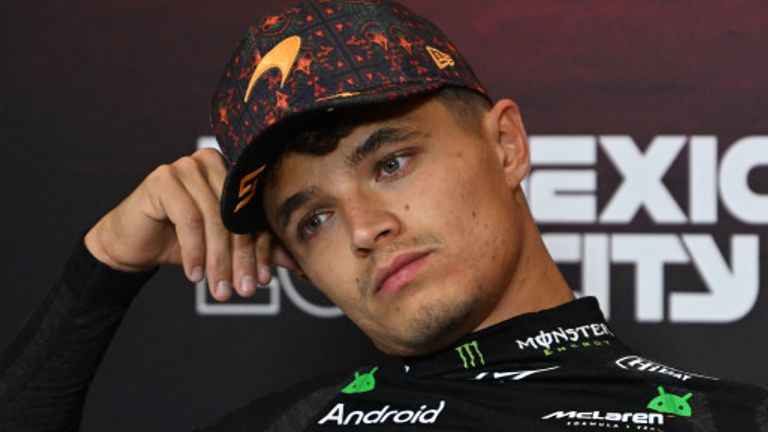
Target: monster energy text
(547, 339)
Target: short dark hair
(319, 134)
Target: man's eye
(312, 224)
(391, 165)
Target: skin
(440, 189)
(173, 217)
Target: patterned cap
(318, 55)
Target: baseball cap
(317, 56)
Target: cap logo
(248, 187)
(281, 56)
(441, 59)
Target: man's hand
(173, 218)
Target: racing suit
(560, 369)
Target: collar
(544, 340)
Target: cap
(318, 55)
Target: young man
(366, 157)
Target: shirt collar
(539, 340)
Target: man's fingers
(173, 217)
(283, 258)
(244, 264)
(175, 203)
(263, 258)
(230, 261)
(218, 249)
(213, 167)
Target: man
(366, 157)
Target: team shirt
(560, 369)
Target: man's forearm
(45, 371)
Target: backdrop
(649, 147)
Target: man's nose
(371, 227)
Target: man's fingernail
(196, 274)
(265, 274)
(223, 288)
(247, 285)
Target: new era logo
(441, 59)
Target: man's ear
(507, 132)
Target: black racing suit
(557, 370)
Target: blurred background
(649, 140)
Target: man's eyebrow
(379, 139)
(293, 203)
(375, 141)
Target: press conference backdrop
(649, 147)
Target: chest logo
(362, 383)
(668, 403)
(470, 355)
(513, 375)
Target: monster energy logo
(468, 353)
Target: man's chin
(430, 327)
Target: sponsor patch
(637, 363)
(339, 415)
(638, 421)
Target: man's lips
(399, 272)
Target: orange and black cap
(318, 55)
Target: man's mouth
(399, 271)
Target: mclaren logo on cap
(442, 60)
(248, 187)
(281, 56)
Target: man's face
(409, 225)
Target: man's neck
(536, 283)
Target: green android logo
(362, 383)
(668, 403)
